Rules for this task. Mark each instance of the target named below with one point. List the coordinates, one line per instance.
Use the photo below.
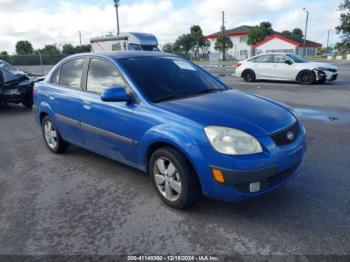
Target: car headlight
(232, 141)
(325, 69)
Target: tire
(53, 139)
(178, 185)
(28, 103)
(249, 76)
(322, 81)
(306, 77)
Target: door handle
(87, 105)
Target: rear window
(71, 72)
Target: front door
(107, 126)
(280, 69)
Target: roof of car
(129, 54)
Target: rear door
(262, 66)
(107, 126)
(64, 97)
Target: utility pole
(79, 37)
(328, 39)
(223, 37)
(116, 5)
(306, 22)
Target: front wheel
(307, 77)
(173, 178)
(52, 137)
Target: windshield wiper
(197, 92)
(205, 91)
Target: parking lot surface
(82, 203)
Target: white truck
(125, 42)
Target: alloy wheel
(167, 179)
(50, 134)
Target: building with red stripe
(274, 43)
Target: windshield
(165, 78)
(296, 58)
(8, 67)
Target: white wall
(310, 51)
(234, 52)
(275, 45)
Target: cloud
(42, 23)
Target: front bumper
(324, 76)
(271, 169)
(10, 95)
(266, 177)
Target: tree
(256, 35)
(168, 48)
(344, 28)
(184, 43)
(68, 49)
(199, 41)
(297, 33)
(83, 48)
(24, 48)
(267, 27)
(223, 42)
(4, 53)
(286, 32)
(259, 33)
(50, 50)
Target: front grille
(286, 136)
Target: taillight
(34, 90)
(238, 65)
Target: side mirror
(288, 62)
(115, 94)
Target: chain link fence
(36, 64)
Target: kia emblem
(290, 135)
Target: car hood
(235, 109)
(321, 64)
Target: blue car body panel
(127, 131)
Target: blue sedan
(170, 118)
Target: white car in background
(285, 67)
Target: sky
(58, 22)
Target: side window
(243, 39)
(279, 59)
(102, 75)
(243, 53)
(116, 47)
(263, 59)
(71, 72)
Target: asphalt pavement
(81, 203)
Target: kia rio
(168, 117)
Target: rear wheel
(306, 77)
(249, 76)
(52, 137)
(173, 178)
